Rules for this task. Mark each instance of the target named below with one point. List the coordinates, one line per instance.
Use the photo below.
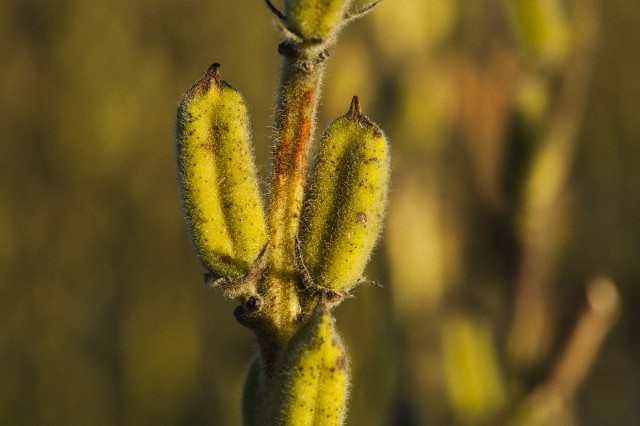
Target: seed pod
(217, 177)
(316, 19)
(345, 201)
(315, 377)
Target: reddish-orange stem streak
(294, 127)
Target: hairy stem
(294, 127)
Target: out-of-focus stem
(579, 354)
(551, 403)
(543, 194)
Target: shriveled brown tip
(212, 76)
(213, 73)
(355, 110)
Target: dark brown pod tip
(355, 112)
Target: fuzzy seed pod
(217, 177)
(315, 377)
(345, 201)
(316, 19)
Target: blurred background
(509, 266)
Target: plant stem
(294, 127)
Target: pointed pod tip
(210, 78)
(355, 110)
(214, 74)
(355, 113)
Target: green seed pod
(253, 394)
(316, 19)
(217, 177)
(315, 378)
(345, 201)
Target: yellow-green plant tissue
(345, 201)
(217, 177)
(316, 19)
(314, 378)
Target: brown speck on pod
(341, 363)
(361, 217)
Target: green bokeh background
(103, 315)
